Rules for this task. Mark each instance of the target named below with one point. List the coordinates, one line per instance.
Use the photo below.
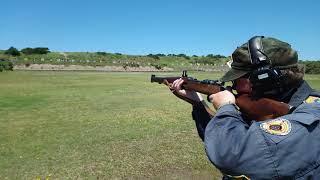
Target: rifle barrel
(160, 80)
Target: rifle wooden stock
(262, 108)
(255, 109)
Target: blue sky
(164, 26)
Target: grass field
(90, 125)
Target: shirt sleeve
(201, 118)
(232, 145)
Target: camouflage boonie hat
(280, 54)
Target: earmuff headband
(256, 53)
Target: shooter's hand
(186, 95)
(222, 98)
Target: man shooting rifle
(286, 147)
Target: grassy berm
(89, 125)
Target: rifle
(258, 109)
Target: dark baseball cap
(280, 54)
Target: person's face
(243, 86)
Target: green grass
(70, 125)
(88, 125)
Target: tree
(12, 51)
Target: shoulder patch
(312, 99)
(278, 126)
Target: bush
(215, 56)
(27, 51)
(38, 50)
(12, 51)
(183, 56)
(160, 55)
(219, 56)
(130, 64)
(6, 65)
(101, 53)
(159, 66)
(206, 60)
(41, 50)
(153, 56)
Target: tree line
(157, 56)
(28, 51)
(13, 55)
(311, 67)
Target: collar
(300, 95)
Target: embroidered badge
(278, 126)
(312, 99)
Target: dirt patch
(51, 67)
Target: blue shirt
(237, 148)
